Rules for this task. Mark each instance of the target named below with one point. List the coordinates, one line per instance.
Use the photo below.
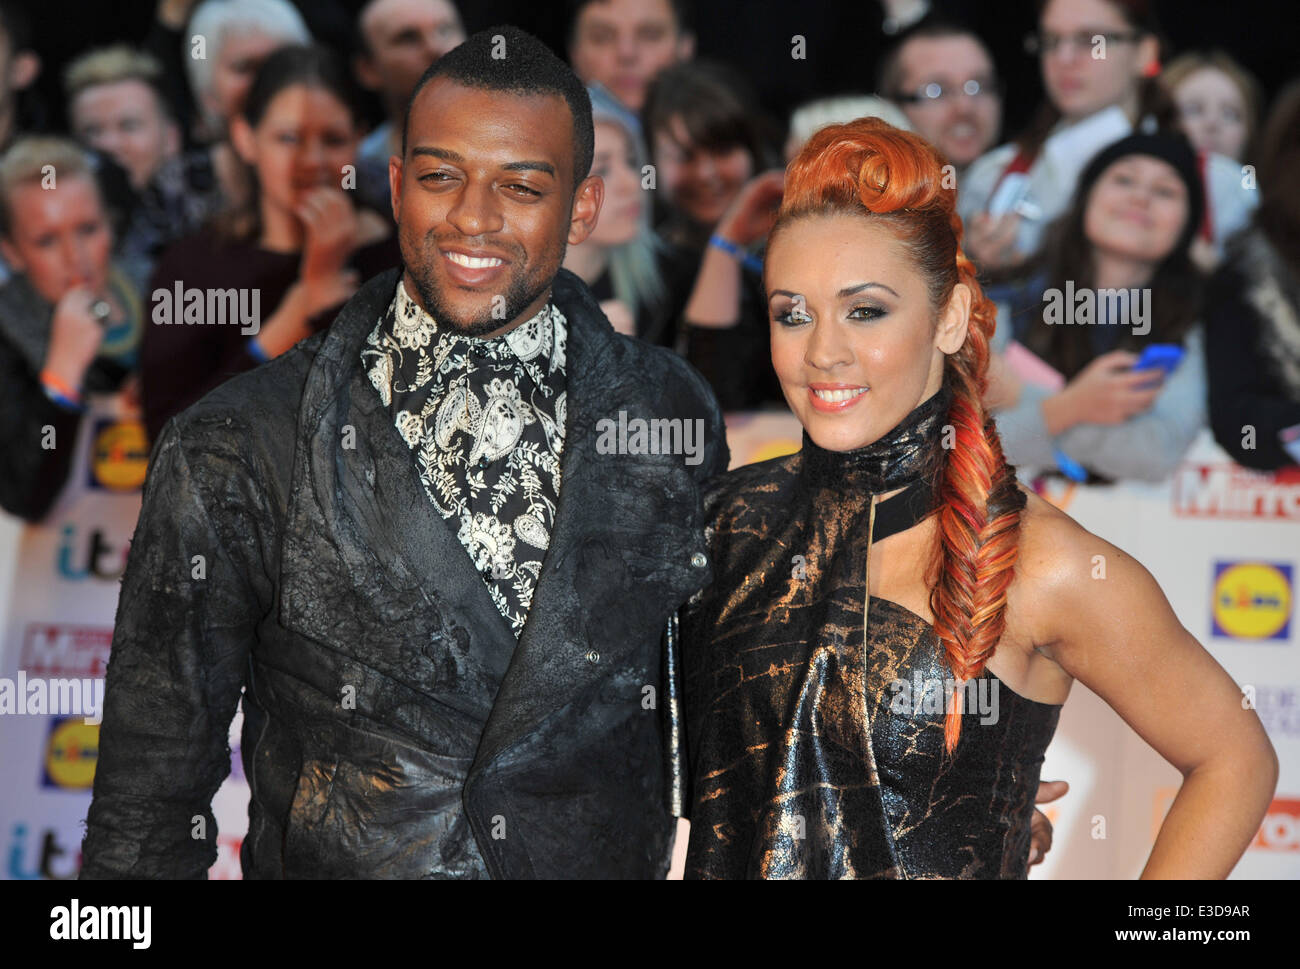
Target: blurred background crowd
(1125, 146)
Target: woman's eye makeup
(792, 314)
(797, 315)
(867, 311)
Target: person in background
(1218, 101)
(715, 165)
(1218, 109)
(623, 45)
(1095, 95)
(239, 35)
(299, 246)
(19, 68)
(641, 282)
(1252, 316)
(114, 106)
(943, 77)
(117, 107)
(399, 40)
(807, 119)
(69, 319)
(1129, 229)
(20, 65)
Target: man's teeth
(837, 396)
(470, 262)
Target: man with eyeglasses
(943, 78)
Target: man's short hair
(683, 14)
(518, 63)
(24, 163)
(111, 65)
(890, 73)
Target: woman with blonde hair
(893, 622)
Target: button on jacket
(393, 727)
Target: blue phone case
(1160, 356)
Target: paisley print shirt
(485, 420)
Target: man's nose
(475, 211)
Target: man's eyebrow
(446, 154)
(456, 158)
(847, 291)
(530, 166)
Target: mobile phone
(1011, 192)
(1160, 356)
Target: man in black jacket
(416, 548)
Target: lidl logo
(1252, 600)
(71, 753)
(120, 456)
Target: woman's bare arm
(1107, 623)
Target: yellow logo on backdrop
(71, 754)
(1252, 600)
(121, 456)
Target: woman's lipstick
(833, 398)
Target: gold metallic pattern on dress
(811, 757)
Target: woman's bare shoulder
(1056, 552)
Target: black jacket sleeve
(1241, 392)
(186, 620)
(38, 438)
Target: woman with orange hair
(874, 673)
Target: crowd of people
(1157, 189)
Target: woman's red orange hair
(895, 178)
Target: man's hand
(1040, 829)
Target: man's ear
(586, 209)
(395, 184)
(24, 69)
(953, 324)
(241, 136)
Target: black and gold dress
(810, 756)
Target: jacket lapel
(550, 666)
(355, 477)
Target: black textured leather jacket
(326, 572)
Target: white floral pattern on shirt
(485, 419)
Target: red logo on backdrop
(1231, 491)
(1281, 828)
(57, 650)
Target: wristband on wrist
(1069, 467)
(746, 259)
(58, 391)
(256, 352)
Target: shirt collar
(542, 335)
